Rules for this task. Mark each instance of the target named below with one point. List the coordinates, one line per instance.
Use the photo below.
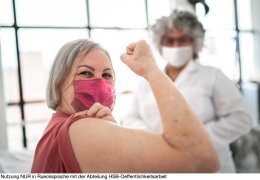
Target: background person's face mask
(88, 92)
(177, 57)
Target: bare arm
(101, 146)
(178, 119)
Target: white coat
(213, 97)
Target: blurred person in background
(214, 98)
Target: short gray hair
(181, 20)
(62, 65)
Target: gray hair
(62, 65)
(181, 20)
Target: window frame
(90, 28)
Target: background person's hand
(139, 58)
(97, 110)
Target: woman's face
(95, 64)
(176, 38)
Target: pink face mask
(88, 92)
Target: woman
(213, 97)
(89, 141)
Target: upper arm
(101, 146)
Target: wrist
(152, 73)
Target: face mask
(88, 92)
(177, 56)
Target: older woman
(213, 97)
(82, 136)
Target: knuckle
(106, 110)
(97, 104)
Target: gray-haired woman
(213, 97)
(82, 135)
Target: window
(33, 31)
(48, 13)
(6, 13)
(30, 40)
(231, 28)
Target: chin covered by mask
(177, 57)
(88, 92)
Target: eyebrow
(89, 67)
(107, 69)
(93, 69)
(182, 36)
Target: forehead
(175, 33)
(96, 58)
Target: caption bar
(82, 176)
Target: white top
(214, 98)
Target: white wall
(3, 132)
(256, 26)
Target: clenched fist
(139, 58)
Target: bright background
(32, 31)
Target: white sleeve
(232, 114)
(132, 118)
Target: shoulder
(207, 70)
(87, 131)
(220, 82)
(98, 143)
(91, 121)
(89, 126)
(85, 139)
(212, 74)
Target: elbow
(211, 163)
(202, 161)
(201, 158)
(207, 157)
(215, 165)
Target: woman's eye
(107, 76)
(86, 73)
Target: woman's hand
(97, 110)
(139, 58)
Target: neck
(173, 72)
